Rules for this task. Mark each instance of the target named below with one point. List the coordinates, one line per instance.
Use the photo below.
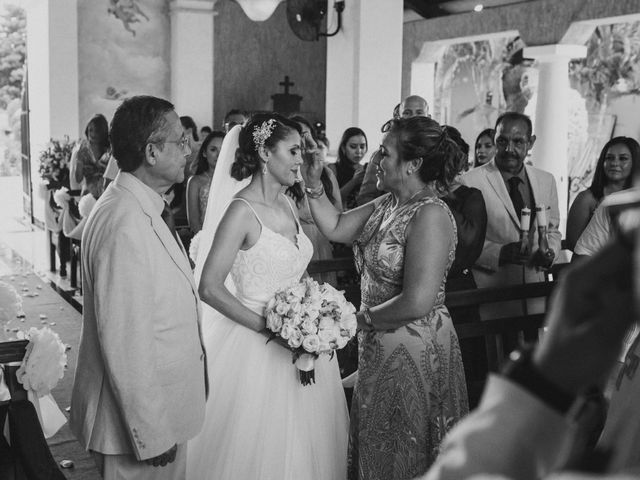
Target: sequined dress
(411, 386)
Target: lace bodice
(274, 262)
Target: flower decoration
(54, 163)
(44, 362)
(193, 246)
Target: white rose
(294, 309)
(282, 308)
(296, 338)
(270, 304)
(311, 343)
(324, 347)
(298, 290)
(327, 336)
(349, 322)
(287, 331)
(326, 323)
(342, 341)
(274, 322)
(309, 327)
(313, 312)
(296, 319)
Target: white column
(192, 59)
(550, 151)
(52, 63)
(364, 67)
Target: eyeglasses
(183, 143)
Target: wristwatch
(521, 370)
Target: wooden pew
(499, 336)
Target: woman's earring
(409, 172)
(264, 168)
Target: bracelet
(367, 318)
(314, 192)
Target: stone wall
(251, 58)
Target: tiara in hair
(263, 132)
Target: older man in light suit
(508, 185)
(139, 388)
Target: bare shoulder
(432, 216)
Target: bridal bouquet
(312, 320)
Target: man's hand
(510, 254)
(542, 259)
(163, 459)
(590, 312)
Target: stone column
(192, 40)
(364, 67)
(552, 114)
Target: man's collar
(522, 174)
(129, 180)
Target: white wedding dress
(261, 423)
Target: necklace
(408, 200)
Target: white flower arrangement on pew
(42, 366)
(311, 320)
(44, 361)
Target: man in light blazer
(506, 181)
(139, 387)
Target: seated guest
(75, 215)
(508, 186)
(198, 185)
(204, 131)
(91, 154)
(232, 118)
(348, 169)
(191, 132)
(485, 149)
(467, 206)
(617, 162)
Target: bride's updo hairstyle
(267, 130)
(422, 137)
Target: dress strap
(251, 207)
(295, 217)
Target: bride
(261, 423)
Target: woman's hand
(313, 161)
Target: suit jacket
(512, 434)
(139, 386)
(503, 227)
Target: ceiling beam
(426, 8)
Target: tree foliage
(13, 35)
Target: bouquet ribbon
(305, 363)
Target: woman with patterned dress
(411, 388)
(198, 185)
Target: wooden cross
(286, 84)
